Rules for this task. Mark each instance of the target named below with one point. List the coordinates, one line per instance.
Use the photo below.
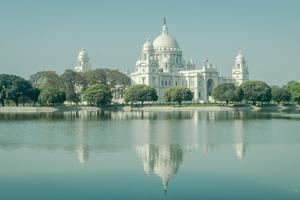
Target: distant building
(82, 62)
(161, 65)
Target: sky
(37, 35)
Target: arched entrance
(210, 87)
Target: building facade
(161, 65)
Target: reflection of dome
(163, 160)
(165, 40)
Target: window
(199, 94)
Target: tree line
(94, 87)
(258, 92)
(253, 92)
(49, 88)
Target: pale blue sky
(38, 35)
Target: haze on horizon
(47, 35)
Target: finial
(164, 27)
(164, 20)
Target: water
(146, 155)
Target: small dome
(148, 45)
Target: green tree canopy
(46, 80)
(140, 93)
(14, 88)
(5, 83)
(34, 95)
(52, 97)
(105, 77)
(69, 80)
(256, 91)
(178, 94)
(114, 77)
(280, 94)
(294, 88)
(93, 77)
(99, 95)
(227, 92)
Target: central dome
(165, 40)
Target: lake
(150, 155)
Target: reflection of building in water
(206, 137)
(82, 149)
(83, 154)
(240, 149)
(239, 144)
(163, 160)
(160, 153)
(209, 137)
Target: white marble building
(82, 62)
(161, 65)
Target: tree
(4, 85)
(93, 77)
(52, 97)
(114, 77)
(105, 77)
(140, 93)
(99, 95)
(294, 88)
(256, 91)
(239, 95)
(46, 80)
(14, 88)
(69, 79)
(280, 94)
(227, 92)
(34, 95)
(178, 94)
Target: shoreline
(213, 108)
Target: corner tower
(240, 72)
(82, 63)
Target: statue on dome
(164, 20)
